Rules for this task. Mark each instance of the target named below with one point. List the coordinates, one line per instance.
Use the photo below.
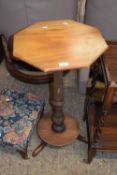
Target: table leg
(57, 103)
(58, 128)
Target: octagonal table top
(58, 45)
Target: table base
(49, 136)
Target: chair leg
(85, 114)
(24, 153)
(85, 108)
(91, 154)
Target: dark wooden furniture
(57, 46)
(20, 69)
(1, 50)
(101, 113)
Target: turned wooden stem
(57, 103)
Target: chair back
(4, 48)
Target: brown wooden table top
(58, 45)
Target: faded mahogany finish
(101, 117)
(21, 70)
(55, 46)
(62, 138)
(58, 45)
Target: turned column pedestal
(58, 128)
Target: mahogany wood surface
(20, 69)
(55, 46)
(58, 45)
(51, 137)
(108, 136)
(101, 117)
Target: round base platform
(49, 136)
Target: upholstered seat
(19, 113)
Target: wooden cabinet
(101, 104)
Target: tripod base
(49, 136)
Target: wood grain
(58, 45)
(47, 134)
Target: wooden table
(56, 46)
